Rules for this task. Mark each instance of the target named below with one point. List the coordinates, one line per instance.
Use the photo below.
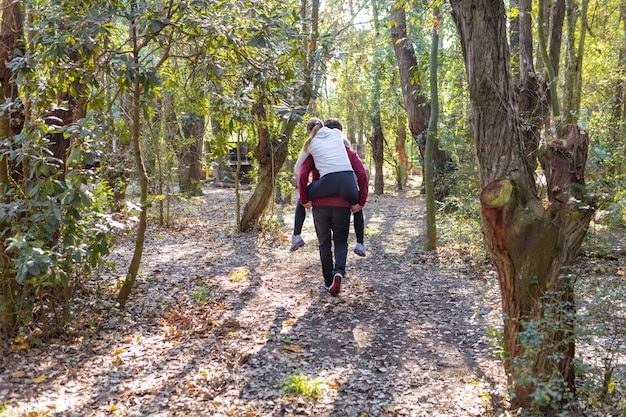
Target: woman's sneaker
(296, 242)
(359, 249)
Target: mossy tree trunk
(530, 240)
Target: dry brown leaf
(292, 348)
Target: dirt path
(218, 320)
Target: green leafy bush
(54, 226)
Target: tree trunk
(618, 100)
(418, 111)
(403, 160)
(530, 105)
(190, 156)
(11, 32)
(270, 154)
(377, 141)
(431, 225)
(529, 243)
(135, 262)
(378, 138)
(414, 98)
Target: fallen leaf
(18, 374)
(40, 379)
(292, 348)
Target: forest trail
(218, 320)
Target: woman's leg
(359, 230)
(299, 217)
(359, 226)
(340, 184)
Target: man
(331, 217)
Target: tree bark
(414, 98)
(529, 244)
(270, 154)
(377, 141)
(190, 156)
(11, 33)
(431, 224)
(618, 100)
(531, 108)
(417, 108)
(142, 177)
(403, 160)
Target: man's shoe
(359, 249)
(296, 242)
(336, 285)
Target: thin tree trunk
(377, 141)
(572, 104)
(403, 159)
(378, 138)
(142, 176)
(431, 223)
(618, 101)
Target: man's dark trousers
(332, 224)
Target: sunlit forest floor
(228, 324)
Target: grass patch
(240, 274)
(302, 385)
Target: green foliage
(302, 385)
(550, 390)
(54, 225)
(601, 338)
(201, 293)
(607, 171)
(239, 274)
